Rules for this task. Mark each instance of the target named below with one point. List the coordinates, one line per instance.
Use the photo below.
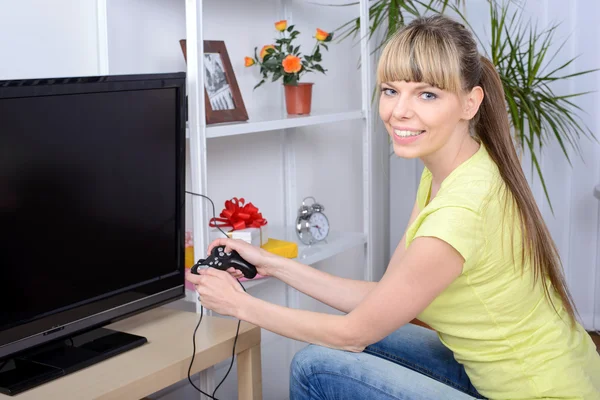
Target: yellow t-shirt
(498, 325)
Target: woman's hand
(264, 261)
(218, 291)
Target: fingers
(236, 273)
(193, 278)
(213, 272)
(205, 273)
(229, 244)
(215, 243)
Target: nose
(402, 109)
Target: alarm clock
(312, 225)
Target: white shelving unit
(199, 134)
(336, 243)
(270, 120)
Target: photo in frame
(222, 97)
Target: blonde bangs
(420, 55)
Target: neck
(451, 155)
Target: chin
(408, 152)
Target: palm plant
(390, 15)
(522, 55)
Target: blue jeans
(410, 364)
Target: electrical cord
(200, 320)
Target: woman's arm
(340, 293)
(410, 283)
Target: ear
(473, 100)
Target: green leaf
(318, 68)
(290, 28)
(276, 76)
(535, 163)
(270, 62)
(290, 79)
(259, 84)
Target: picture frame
(222, 97)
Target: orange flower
(291, 64)
(321, 35)
(263, 51)
(248, 62)
(281, 25)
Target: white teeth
(407, 133)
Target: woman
(476, 262)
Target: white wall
(574, 225)
(40, 38)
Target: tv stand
(52, 360)
(164, 360)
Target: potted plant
(522, 54)
(284, 60)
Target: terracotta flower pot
(298, 99)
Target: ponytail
(493, 130)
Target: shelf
(268, 120)
(337, 243)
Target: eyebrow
(418, 87)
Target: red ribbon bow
(238, 216)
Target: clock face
(319, 226)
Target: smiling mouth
(404, 134)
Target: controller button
(221, 254)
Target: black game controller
(220, 260)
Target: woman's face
(421, 118)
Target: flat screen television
(92, 185)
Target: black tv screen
(91, 202)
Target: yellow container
(281, 248)
(189, 257)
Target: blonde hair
(441, 52)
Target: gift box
(239, 220)
(255, 236)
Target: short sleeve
(458, 226)
(424, 189)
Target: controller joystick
(220, 260)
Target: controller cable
(200, 320)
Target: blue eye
(388, 91)
(428, 96)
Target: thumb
(212, 272)
(230, 245)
